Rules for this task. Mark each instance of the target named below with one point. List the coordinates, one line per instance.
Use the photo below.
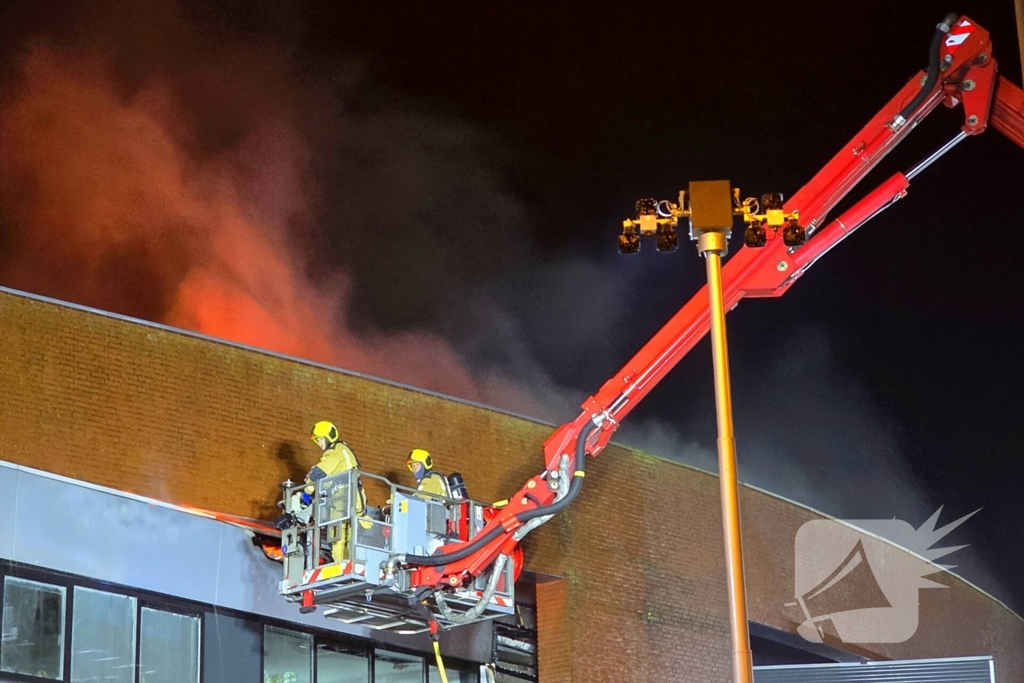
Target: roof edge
(351, 373)
(638, 451)
(263, 352)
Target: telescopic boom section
(1008, 111)
(961, 71)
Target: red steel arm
(1008, 111)
(969, 77)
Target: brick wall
(554, 632)
(168, 415)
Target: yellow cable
(440, 664)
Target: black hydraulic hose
(933, 67)
(574, 488)
(456, 555)
(523, 517)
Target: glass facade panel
(232, 649)
(168, 647)
(102, 637)
(336, 663)
(394, 667)
(287, 656)
(454, 675)
(109, 637)
(33, 629)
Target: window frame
(156, 606)
(66, 630)
(424, 669)
(69, 582)
(263, 648)
(191, 608)
(74, 592)
(368, 648)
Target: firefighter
(337, 458)
(421, 464)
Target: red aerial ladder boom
(961, 71)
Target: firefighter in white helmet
(429, 480)
(337, 458)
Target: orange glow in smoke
(101, 181)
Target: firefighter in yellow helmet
(429, 480)
(337, 458)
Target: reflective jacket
(436, 483)
(335, 460)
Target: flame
(117, 211)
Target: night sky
(899, 352)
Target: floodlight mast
(961, 72)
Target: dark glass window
(114, 637)
(168, 647)
(33, 629)
(102, 637)
(338, 663)
(395, 667)
(232, 649)
(287, 656)
(454, 675)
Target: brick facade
(173, 416)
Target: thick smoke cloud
(243, 193)
(114, 209)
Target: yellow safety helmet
(324, 430)
(422, 457)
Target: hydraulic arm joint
(961, 71)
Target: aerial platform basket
(334, 550)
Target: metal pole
(1019, 4)
(712, 245)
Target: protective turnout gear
(421, 464)
(337, 458)
(457, 484)
(421, 457)
(324, 434)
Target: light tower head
(710, 207)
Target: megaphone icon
(851, 586)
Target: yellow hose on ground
(440, 663)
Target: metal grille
(378, 535)
(504, 587)
(334, 498)
(505, 582)
(437, 518)
(949, 670)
